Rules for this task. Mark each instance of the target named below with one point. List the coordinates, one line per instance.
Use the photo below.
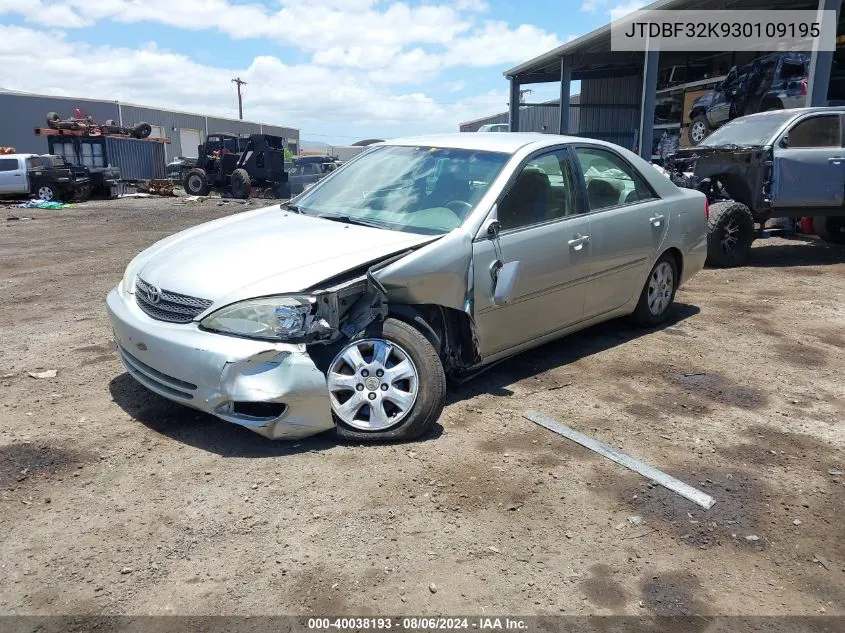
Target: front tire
(386, 384)
(196, 183)
(658, 294)
(730, 232)
(830, 228)
(699, 129)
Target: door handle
(836, 160)
(577, 243)
(656, 220)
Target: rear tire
(196, 183)
(47, 193)
(730, 232)
(427, 372)
(658, 294)
(831, 228)
(52, 120)
(241, 184)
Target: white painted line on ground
(657, 476)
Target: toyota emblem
(153, 294)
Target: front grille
(170, 306)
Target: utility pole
(240, 82)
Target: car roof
(796, 111)
(505, 142)
(18, 155)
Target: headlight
(268, 318)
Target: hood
(705, 99)
(264, 252)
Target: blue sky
(339, 70)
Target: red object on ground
(807, 225)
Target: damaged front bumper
(274, 389)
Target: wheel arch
(696, 112)
(451, 332)
(678, 256)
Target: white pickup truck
(47, 177)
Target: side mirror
(507, 279)
(491, 226)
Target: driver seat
(447, 188)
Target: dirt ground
(113, 500)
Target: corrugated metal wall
(20, 114)
(610, 109)
(532, 118)
(137, 160)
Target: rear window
(34, 163)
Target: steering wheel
(462, 206)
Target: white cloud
(621, 10)
(615, 11)
(309, 95)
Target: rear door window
(8, 164)
(610, 180)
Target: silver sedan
(422, 258)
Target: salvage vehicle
(214, 146)
(348, 306)
(49, 179)
(772, 82)
(93, 153)
(306, 170)
(786, 163)
(88, 125)
(77, 177)
(495, 127)
(239, 164)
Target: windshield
(417, 189)
(749, 130)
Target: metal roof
(592, 55)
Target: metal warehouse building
(23, 112)
(641, 99)
(540, 117)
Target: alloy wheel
(373, 384)
(730, 235)
(45, 193)
(660, 287)
(697, 132)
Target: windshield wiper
(292, 207)
(350, 220)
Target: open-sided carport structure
(619, 88)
